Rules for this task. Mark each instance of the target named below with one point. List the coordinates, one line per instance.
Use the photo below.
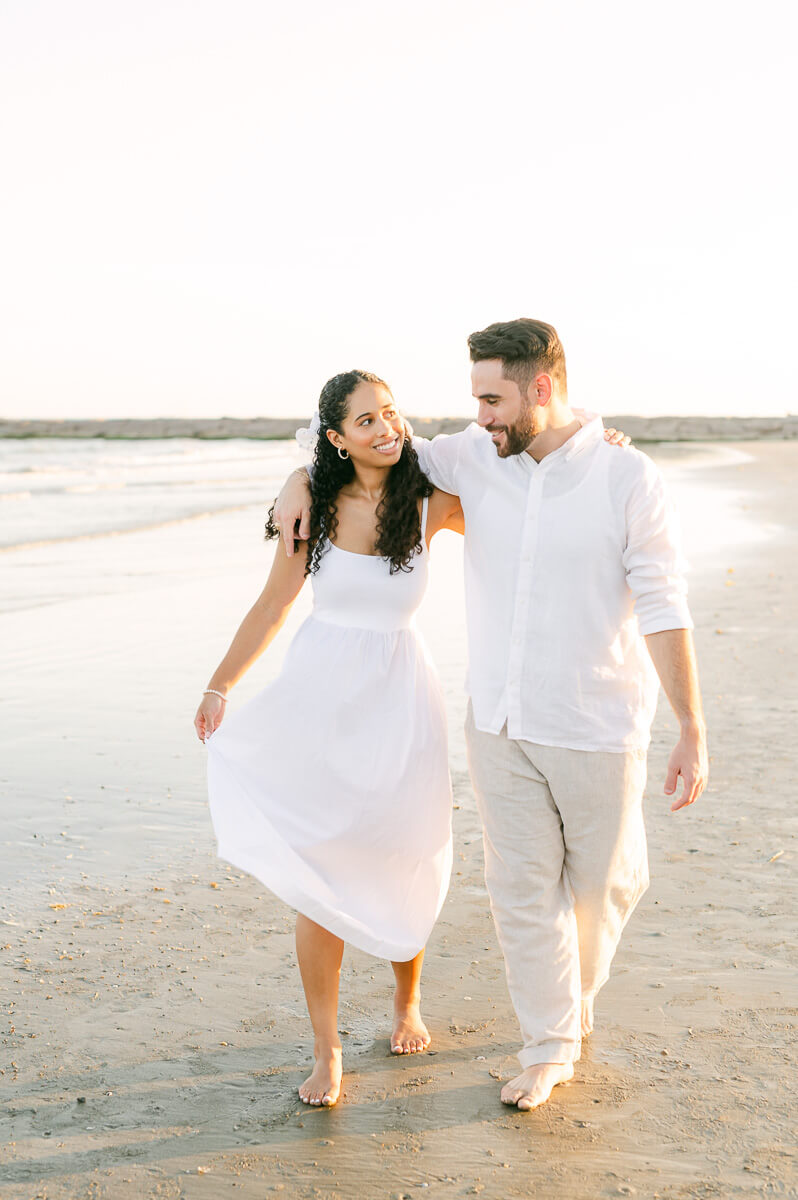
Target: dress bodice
(359, 591)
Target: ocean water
(54, 489)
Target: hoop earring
(343, 453)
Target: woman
(346, 814)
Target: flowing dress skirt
(332, 786)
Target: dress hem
(335, 923)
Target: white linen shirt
(568, 563)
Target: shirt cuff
(676, 616)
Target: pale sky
(208, 207)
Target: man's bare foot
(323, 1085)
(410, 1035)
(587, 1015)
(534, 1085)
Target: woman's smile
(389, 446)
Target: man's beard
(518, 436)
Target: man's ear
(541, 389)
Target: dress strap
(424, 510)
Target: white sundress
(332, 785)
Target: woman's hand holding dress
(209, 716)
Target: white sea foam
(83, 487)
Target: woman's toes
(409, 1035)
(324, 1083)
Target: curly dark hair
(398, 521)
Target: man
(571, 563)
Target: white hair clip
(306, 439)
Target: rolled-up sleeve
(439, 459)
(653, 560)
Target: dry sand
(153, 1030)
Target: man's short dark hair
(526, 348)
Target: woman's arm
(259, 627)
(444, 512)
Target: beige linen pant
(565, 865)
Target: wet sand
(153, 1028)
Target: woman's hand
(209, 716)
(616, 438)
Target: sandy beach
(153, 1026)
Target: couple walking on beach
(332, 785)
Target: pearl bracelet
(213, 692)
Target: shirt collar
(592, 431)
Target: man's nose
(484, 415)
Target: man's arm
(439, 459)
(673, 655)
(292, 505)
(655, 574)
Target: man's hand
(292, 505)
(673, 655)
(688, 761)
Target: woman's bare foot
(534, 1085)
(410, 1035)
(323, 1086)
(587, 1016)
